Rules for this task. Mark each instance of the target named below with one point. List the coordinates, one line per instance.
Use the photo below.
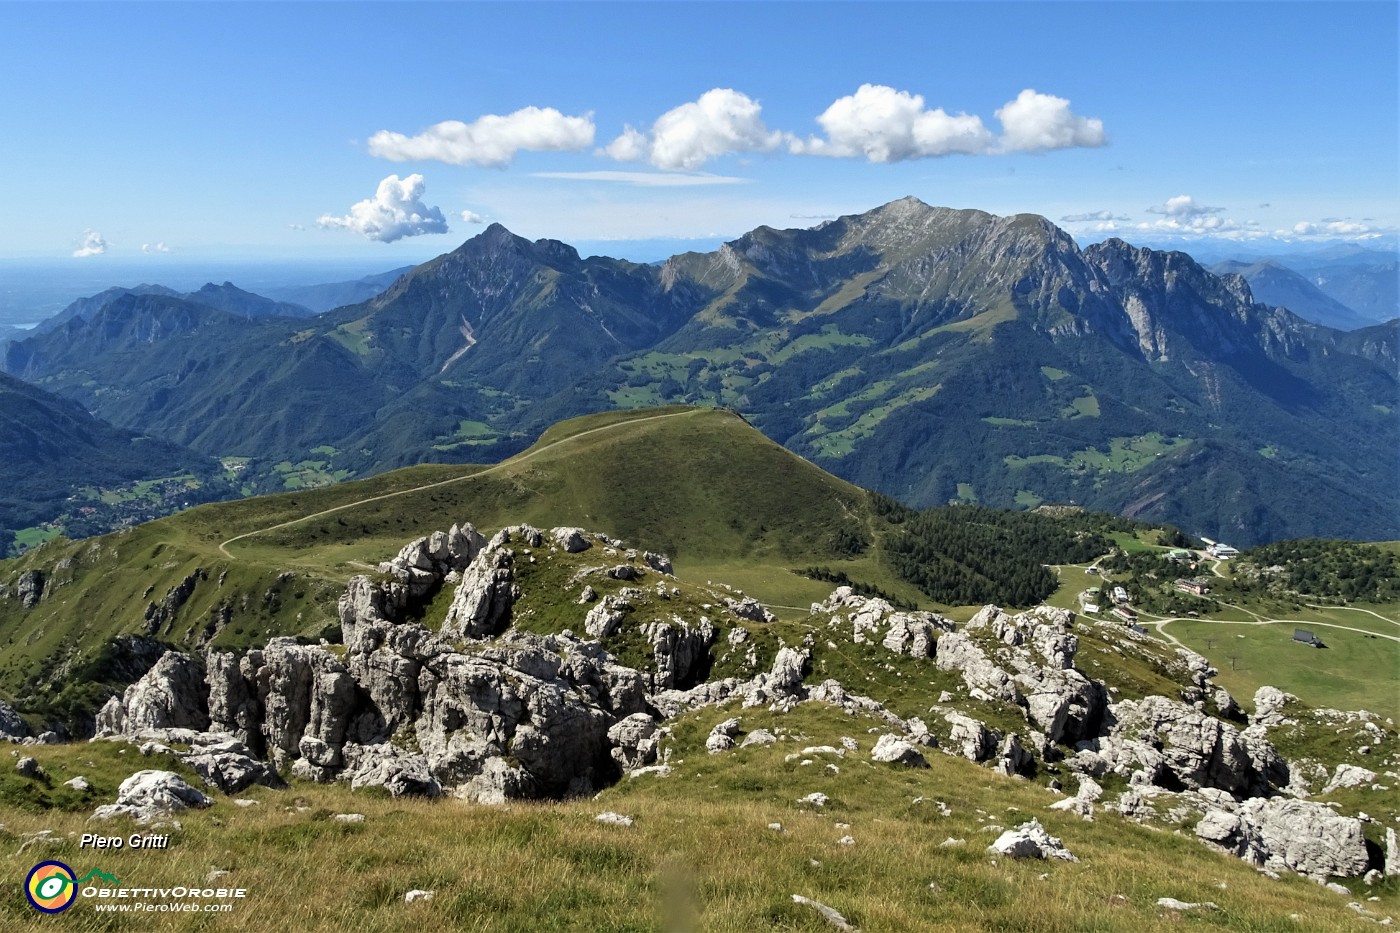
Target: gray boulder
(895, 750)
(658, 562)
(748, 608)
(499, 782)
(230, 767)
(984, 679)
(401, 773)
(970, 738)
(147, 795)
(304, 691)
(634, 741)
(603, 619)
(571, 540)
(1269, 703)
(1030, 840)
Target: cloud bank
(396, 211)
(648, 179)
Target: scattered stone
(1171, 903)
(1030, 840)
(615, 819)
(815, 799)
(721, 737)
(759, 737)
(776, 827)
(28, 768)
(79, 784)
(1349, 776)
(418, 894)
(846, 841)
(828, 914)
(952, 843)
(894, 750)
(349, 817)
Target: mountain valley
(932, 354)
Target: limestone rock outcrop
(872, 619)
(1175, 745)
(12, 727)
(171, 695)
(1279, 833)
(481, 606)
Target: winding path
(513, 461)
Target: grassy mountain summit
(933, 354)
(701, 485)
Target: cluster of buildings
(1219, 550)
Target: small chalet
(1306, 637)
(1194, 586)
(1120, 595)
(1124, 613)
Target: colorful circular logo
(51, 887)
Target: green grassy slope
(699, 484)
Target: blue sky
(213, 130)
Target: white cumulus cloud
(93, 245)
(491, 140)
(886, 125)
(883, 124)
(720, 122)
(396, 211)
(1183, 208)
(472, 217)
(1034, 122)
(154, 248)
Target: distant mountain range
(937, 355)
(226, 297)
(1274, 284)
(332, 295)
